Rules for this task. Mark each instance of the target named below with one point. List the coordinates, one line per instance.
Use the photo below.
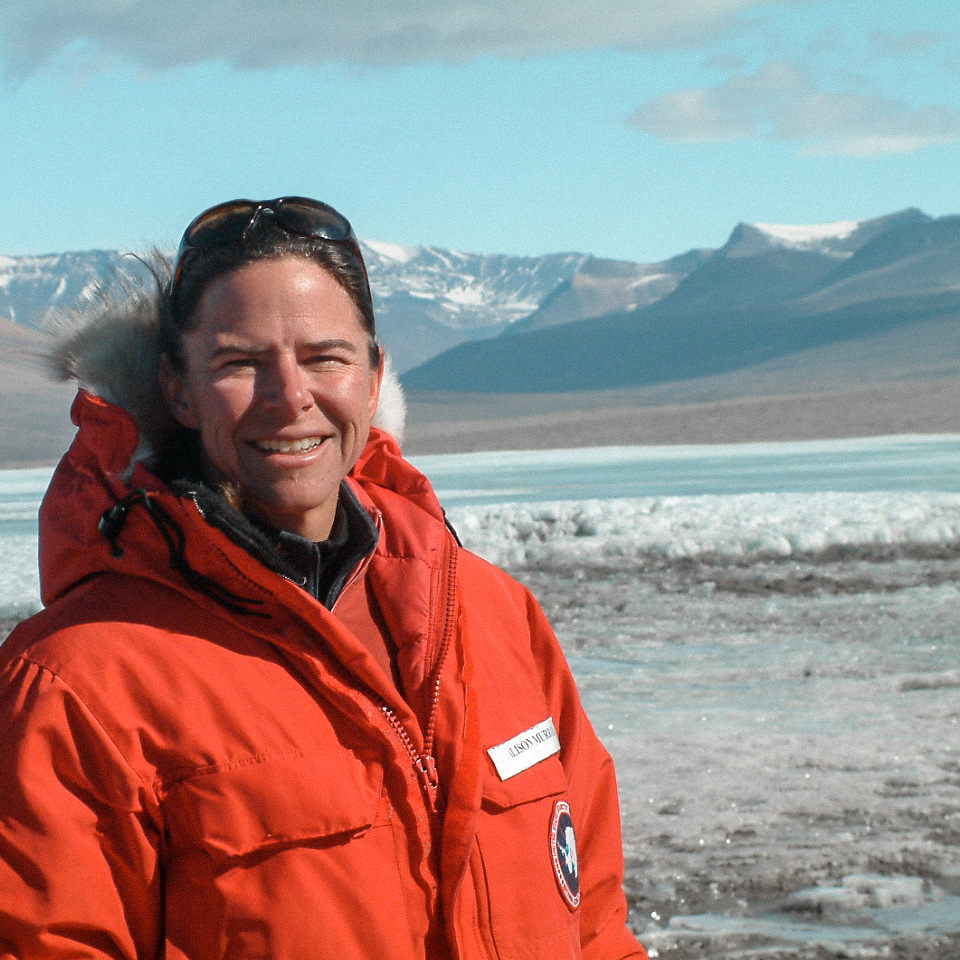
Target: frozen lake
(767, 637)
(905, 463)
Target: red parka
(200, 761)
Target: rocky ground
(680, 414)
(787, 736)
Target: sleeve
(594, 805)
(79, 831)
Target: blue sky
(633, 129)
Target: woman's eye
(237, 363)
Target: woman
(272, 708)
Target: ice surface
(877, 464)
(19, 579)
(632, 533)
(623, 534)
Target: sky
(628, 129)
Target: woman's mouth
(288, 446)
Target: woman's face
(279, 384)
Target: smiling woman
(269, 680)
(277, 381)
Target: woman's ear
(176, 392)
(376, 382)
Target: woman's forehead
(288, 287)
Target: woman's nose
(287, 387)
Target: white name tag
(525, 749)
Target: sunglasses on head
(235, 220)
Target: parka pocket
(528, 914)
(281, 857)
(271, 802)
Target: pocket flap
(270, 802)
(543, 779)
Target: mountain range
(427, 299)
(771, 295)
(777, 309)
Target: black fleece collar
(321, 568)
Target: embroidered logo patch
(563, 847)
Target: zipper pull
(427, 768)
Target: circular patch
(563, 847)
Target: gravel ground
(787, 738)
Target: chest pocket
(271, 803)
(284, 857)
(528, 915)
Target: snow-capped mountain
(431, 302)
(32, 287)
(840, 239)
(427, 299)
(475, 291)
(600, 287)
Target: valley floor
(457, 423)
(35, 428)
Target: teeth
(288, 446)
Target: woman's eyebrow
(331, 344)
(251, 349)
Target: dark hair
(266, 241)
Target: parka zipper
(425, 762)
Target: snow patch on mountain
(839, 239)
(653, 279)
(471, 296)
(396, 252)
(811, 236)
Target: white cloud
(254, 34)
(781, 101)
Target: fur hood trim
(111, 347)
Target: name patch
(525, 749)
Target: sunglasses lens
(311, 218)
(219, 225)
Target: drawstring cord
(112, 523)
